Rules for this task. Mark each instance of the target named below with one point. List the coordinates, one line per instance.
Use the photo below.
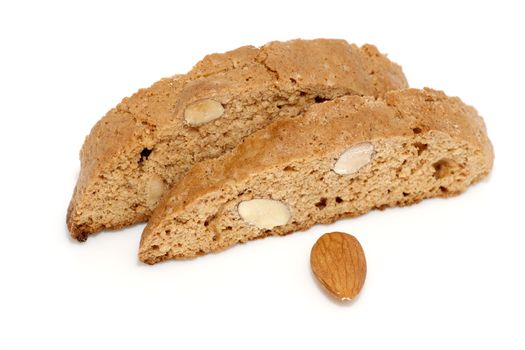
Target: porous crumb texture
(425, 145)
(144, 145)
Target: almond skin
(339, 263)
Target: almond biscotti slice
(150, 140)
(341, 158)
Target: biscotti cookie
(340, 159)
(150, 140)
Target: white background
(444, 274)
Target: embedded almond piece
(264, 213)
(156, 188)
(203, 111)
(338, 262)
(354, 158)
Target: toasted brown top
(338, 123)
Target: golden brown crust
(140, 121)
(330, 125)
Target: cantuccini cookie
(340, 158)
(150, 140)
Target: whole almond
(339, 263)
